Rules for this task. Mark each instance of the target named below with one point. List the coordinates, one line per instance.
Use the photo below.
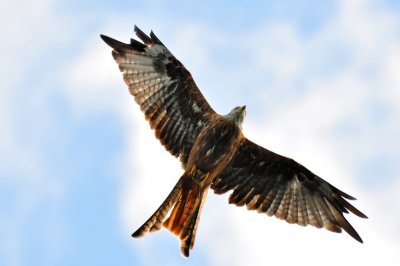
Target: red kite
(215, 153)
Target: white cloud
(93, 81)
(28, 29)
(279, 51)
(15, 61)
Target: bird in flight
(215, 154)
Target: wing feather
(292, 215)
(283, 208)
(269, 198)
(164, 90)
(276, 202)
(257, 200)
(302, 218)
(280, 187)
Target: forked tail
(186, 201)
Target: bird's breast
(215, 146)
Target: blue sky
(78, 162)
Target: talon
(193, 171)
(203, 177)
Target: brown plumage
(214, 153)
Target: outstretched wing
(165, 91)
(279, 186)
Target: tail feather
(176, 219)
(155, 222)
(186, 201)
(188, 233)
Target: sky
(80, 170)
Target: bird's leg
(193, 171)
(203, 177)
(197, 175)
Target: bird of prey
(215, 153)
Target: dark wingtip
(137, 233)
(117, 45)
(345, 195)
(347, 205)
(185, 251)
(343, 223)
(361, 215)
(155, 38)
(351, 231)
(357, 237)
(141, 35)
(105, 38)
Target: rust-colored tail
(186, 201)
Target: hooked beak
(243, 110)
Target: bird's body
(215, 153)
(215, 146)
(211, 152)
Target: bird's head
(237, 114)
